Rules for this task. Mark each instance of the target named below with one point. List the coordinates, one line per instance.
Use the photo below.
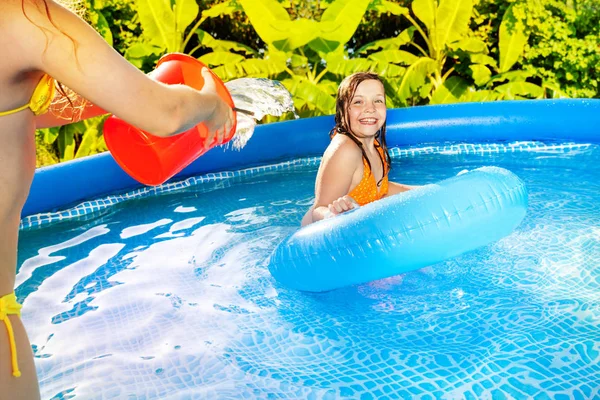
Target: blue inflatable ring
(402, 233)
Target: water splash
(261, 97)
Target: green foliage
(426, 51)
(455, 63)
(563, 48)
(295, 48)
(561, 51)
(71, 141)
(122, 20)
(512, 40)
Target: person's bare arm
(334, 179)
(94, 70)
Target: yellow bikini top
(42, 97)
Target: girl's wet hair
(345, 94)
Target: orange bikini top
(366, 191)
(42, 97)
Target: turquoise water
(169, 296)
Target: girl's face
(367, 110)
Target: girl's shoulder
(344, 149)
(8, 10)
(17, 18)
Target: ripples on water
(169, 297)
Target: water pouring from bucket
(152, 160)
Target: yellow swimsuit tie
(42, 97)
(9, 306)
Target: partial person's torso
(17, 144)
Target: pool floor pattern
(166, 294)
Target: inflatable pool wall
(62, 185)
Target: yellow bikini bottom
(9, 306)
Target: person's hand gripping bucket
(152, 160)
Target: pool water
(169, 296)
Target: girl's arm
(77, 56)
(338, 166)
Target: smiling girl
(355, 166)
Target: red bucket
(152, 160)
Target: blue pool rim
(576, 120)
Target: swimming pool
(168, 295)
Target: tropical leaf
(341, 19)
(101, 24)
(265, 16)
(450, 92)
(314, 95)
(425, 90)
(49, 135)
(299, 103)
(186, 12)
(557, 92)
(513, 89)
(338, 23)
(512, 40)
(425, 10)
(480, 74)
(158, 23)
(136, 53)
(415, 77)
(391, 86)
(298, 61)
(341, 66)
(452, 21)
(205, 38)
(394, 56)
(228, 45)
(296, 33)
(88, 143)
(227, 8)
(329, 87)
(382, 44)
(276, 56)
(321, 45)
(511, 76)
(388, 70)
(229, 72)
(482, 59)
(384, 7)
(263, 68)
(389, 44)
(66, 140)
(256, 68)
(480, 95)
(273, 64)
(217, 58)
(470, 45)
